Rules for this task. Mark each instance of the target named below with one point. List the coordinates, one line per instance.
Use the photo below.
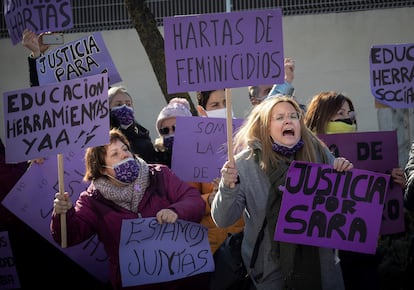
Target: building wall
(331, 53)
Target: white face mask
(219, 113)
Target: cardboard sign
(374, 151)
(86, 56)
(326, 208)
(56, 118)
(392, 74)
(8, 274)
(200, 147)
(38, 16)
(223, 50)
(150, 252)
(31, 200)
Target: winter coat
(93, 214)
(250, 197)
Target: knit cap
(176, 107)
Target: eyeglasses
(166, 130)
(294, 116)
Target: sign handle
(62, 192)
(229, 123)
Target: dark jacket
(93, 214)
(409, 171)
(139, 139)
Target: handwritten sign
(374, 151)
(38, 16)
(56, 118)
(31, 200)
(201, 143)
(223, 50)
(392, 74)
(86, 56)
(8, 272)
(326, 208)
(150, 252)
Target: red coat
(93, 214)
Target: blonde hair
(256, 128)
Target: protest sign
(31, 200)
(86, 56)
(326, 208)
(223, 50)
(374, 151)
(56, 118)
(392, 74)
(150, 252)
(8, 273)
(201, 143)
(38, 16)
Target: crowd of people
(131, 177)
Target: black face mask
(348, 121)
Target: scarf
(128, 196)
(299, 263)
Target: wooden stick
(62, 192)
(229, 123)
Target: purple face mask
(168, 142)
(124, 114)
(127, 170)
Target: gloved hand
(61, 203)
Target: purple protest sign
(391, 70)
(150, 252)
(374, 151)
(38, 16)
(223, 50)
(8, 277)
(200, 147)
(56, 118)
(326, 208)
(86, 56)
(31, 200)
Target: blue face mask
(127, 170)
(124, 114)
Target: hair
(115, 90)
(95, 156)
(322, 108)
(256, 128)
(253, 91)
(202, 97)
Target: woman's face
(120, 99)
(167, 126)
(217, 100)
(343, 113)
(115, 153)
(285, 124)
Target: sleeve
(409, 172)
(79, 221)
(34, 78)
(283, 89)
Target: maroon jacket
(93, 214)
(9, 175)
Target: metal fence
(97, 15)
